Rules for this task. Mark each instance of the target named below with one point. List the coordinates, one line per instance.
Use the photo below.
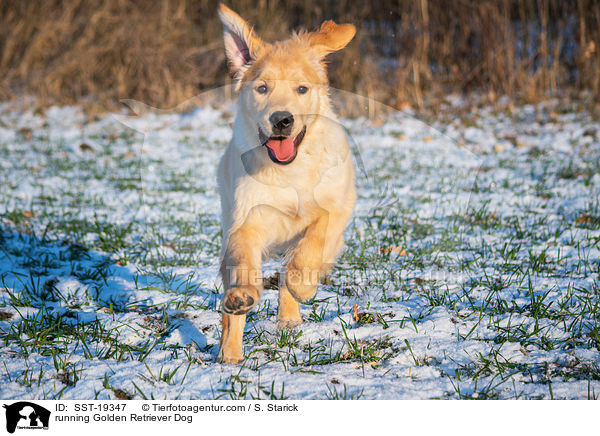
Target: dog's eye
(302, 89)
(262, 89)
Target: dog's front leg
(242, 282)
(315, 254)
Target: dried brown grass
(164, 52)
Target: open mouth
(282, 149)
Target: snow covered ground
(472, 266)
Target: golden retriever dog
(286, 179)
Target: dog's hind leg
(242, 282)
(288, 314)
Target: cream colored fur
(302, 207)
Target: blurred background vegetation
(407, 52)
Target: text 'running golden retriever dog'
(286, 179)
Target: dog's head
(283, 86)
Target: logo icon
(26, 415)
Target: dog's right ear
(242, 46)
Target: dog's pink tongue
(282, 149)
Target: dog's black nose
(282, 122)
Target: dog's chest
(293, 199)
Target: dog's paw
(240, 300)
(230, 359)
(288, 324)
(301, 282)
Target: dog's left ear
(242, 46)
(331, 36)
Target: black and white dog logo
(26, 415)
